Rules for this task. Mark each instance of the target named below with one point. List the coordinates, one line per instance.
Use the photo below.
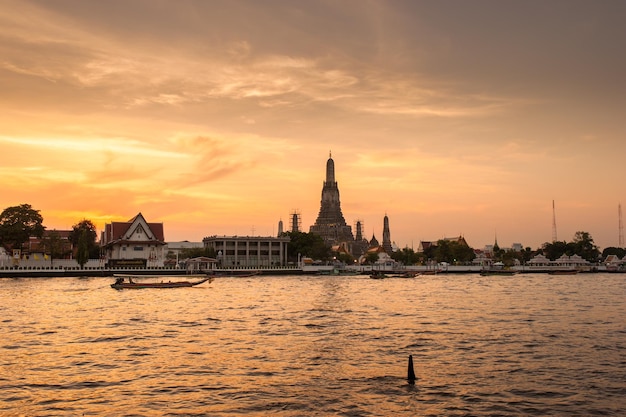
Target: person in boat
(119, 280)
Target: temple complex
(330, 223)
(332, 227)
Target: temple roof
(123, 231)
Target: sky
(217, 117)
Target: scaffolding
(295, 223)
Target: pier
(76, 271)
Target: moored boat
(239, 273)
(502, 272)
(407, 274)
(563, 272)
(498, 268)
(128, 282)
(338, 272)
(377, 275)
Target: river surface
(532, 345)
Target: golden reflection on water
(311, 345)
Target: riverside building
(248, 251)
(135, 243)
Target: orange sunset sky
(217, 117)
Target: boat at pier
(338, 272)
(378, 275)
(230, 273)
(407, 274)
(563, 272)
(502, 272)
(498, 268)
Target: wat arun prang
(330, 223)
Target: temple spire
(330, 223)
(386, 236)
(330, 170)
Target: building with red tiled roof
(425, 245)
(56, 241)
(135, 243)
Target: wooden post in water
(411, 373)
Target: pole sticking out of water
(411, 373)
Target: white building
(135, 243)
(574, 261)
(247, 251)
(517, 247)
(539, 260)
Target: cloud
(130, 78)
(121, 146)
(217, 157)
(213, 107)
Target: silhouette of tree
(82, 252)
(88, 229)
(18, 224)
(53, 244)
(582, 245)
(307, 245)
(620, 252)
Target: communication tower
(296, 221)
(553, 223)
(621, 226)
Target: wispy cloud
(121, 146)
(212, 107)
(149, 77)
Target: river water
(330, 346)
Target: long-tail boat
(124, 281)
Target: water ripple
(294, 346)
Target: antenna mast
(621, 226)
(553, 223)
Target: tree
(53, 244)
(407, 256)
(452, 252)
(498, 253)
(345, 258)
(86, 230)
(554, 250)
(523, 256)
(430, 252)
(187, 253)
(508, 257)
(462, 253)
(371, 258)
(584, 247)
(612, 250)
(307, 244)
(82, 252)
(443, 253)
(527, 254)
(18, 224)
